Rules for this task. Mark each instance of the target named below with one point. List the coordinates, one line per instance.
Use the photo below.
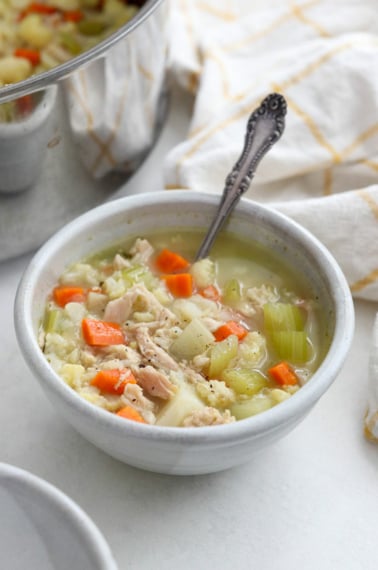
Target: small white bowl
(182, 450)
(42, 529)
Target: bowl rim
(268, 421)
(95, 542)
(46, 78)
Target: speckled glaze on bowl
(43, 529)
(182, 451)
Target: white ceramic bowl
(42, 529)
(182, 450)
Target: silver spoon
(265, 126)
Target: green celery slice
(283, 317)
(244, 380)
(231, 292)
(70, 43)
(291, 345)
(51, 320)
(91, 26)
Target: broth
(146, 333)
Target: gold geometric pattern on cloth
(313, 128)
(104, 145)
(282, 87)
(104, 150)
(369, 163)
(216, 11)
(294, 12)
(282, 18)
(189, 29)
(372, 277)
(373, 205)
(240, 113)
(361, 138)
(327, 183)
(369, 427)
(81, 99)
(203, 134)
(314, 65)
(299, 12)
(240, 44)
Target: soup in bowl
(175, 365)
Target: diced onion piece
(221, 355)
(231, 292)
(184, 402)
(194, 339)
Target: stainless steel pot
(93, 120)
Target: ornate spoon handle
(265, 126)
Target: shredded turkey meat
(155, 382)
(153, 353)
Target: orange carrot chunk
(131, 414)
(38, 8)
(283, 374)
(113, 381)
(24, 105)
(32, 55)
(73, 15)
(229, 328)
(101, 333)
(63, 295)
(169, 262)
(180, 284)
(210, 292)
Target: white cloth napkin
(371, 418)
(322, 55)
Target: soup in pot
(37, 36)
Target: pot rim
(46, 78)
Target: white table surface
(308, 502)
